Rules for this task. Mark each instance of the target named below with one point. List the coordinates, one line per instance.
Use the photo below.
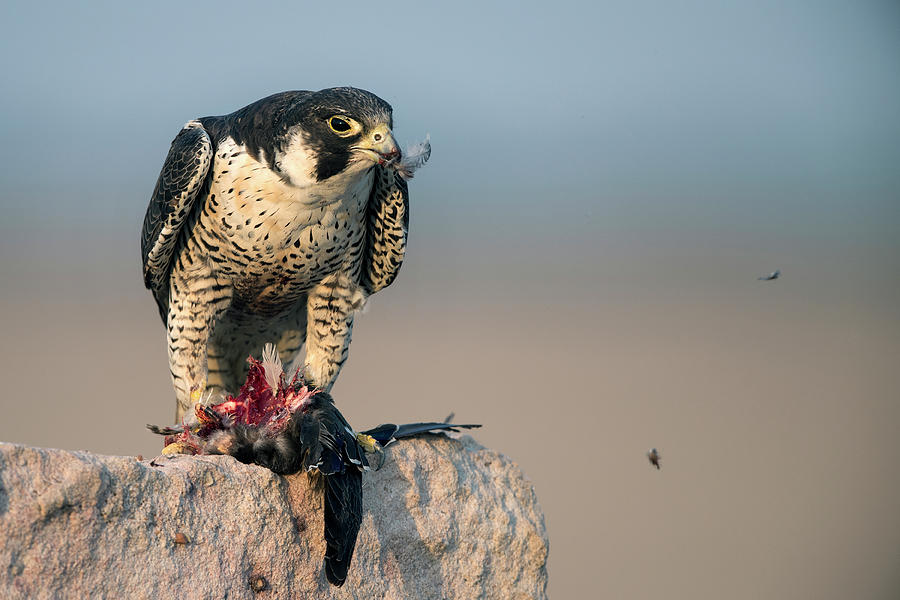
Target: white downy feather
(414, 157)
(272, 366)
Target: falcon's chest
(276, 234)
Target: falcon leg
(292, 339)
(220, 371)
(193, 309)
(330, 307)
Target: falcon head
(335, 131)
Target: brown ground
(774, 405)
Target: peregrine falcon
(654, 457)
(275, 222)
(771, 276)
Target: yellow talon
(371, 445)
(197, 392)
(178, 448)
(368, 443)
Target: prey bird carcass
(284, 424)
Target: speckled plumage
(269, 225)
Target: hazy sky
(608, 180)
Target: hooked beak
(380, 146)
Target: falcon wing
(182, 176)
(387, 224)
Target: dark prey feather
(386, 433)
(343, 516)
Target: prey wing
(182, 176)
(387, 225)
(386, 433)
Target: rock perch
(444, 518)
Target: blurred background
(608, 181)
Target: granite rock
(444, 518)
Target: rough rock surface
(444, 518)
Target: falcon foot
(388, 433)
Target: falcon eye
(339, 125)
(343, 126)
